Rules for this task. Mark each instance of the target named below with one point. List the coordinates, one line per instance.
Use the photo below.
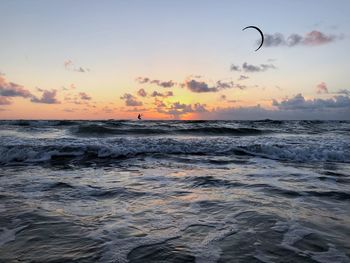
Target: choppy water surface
(174, 191)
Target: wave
(33, 151)
(222, 131)
(94, 129)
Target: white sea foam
(41, 150)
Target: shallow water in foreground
(174, 191)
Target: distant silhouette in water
(139, 117)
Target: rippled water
(174, 191)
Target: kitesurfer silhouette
(139, 117)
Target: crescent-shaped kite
(261, 33)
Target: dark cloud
(224, 85)
(142, 93)
(130, 100)
(163, 84)
(321, 88)
(199, 86)
(249, 68)
(235, 68)
(142, 80)
(10, 89)
(84, 96)
(164, 95)
(48, 97)
(313, 38)
(5, 100)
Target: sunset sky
(174, 59)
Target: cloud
(343, 91)
(69, 110)
(222, 97)
(159, 103)
(249, 68)
(298, 102)
(142, 80)
(5, 101)
(274, 40)
(10, 89)
(178, 109)
(84, 96)
(142, 93)
(130, 100)
(69, 65)
(321, 88)
(163, 84)
(243, 77)
(164, 95)
(80, 69)
(199, 86)
(313, 38)
(296, 108)
(48, 97)
(235, 68)
(136, 110)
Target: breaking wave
(32, 151)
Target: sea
(175, 191)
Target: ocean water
(175, 191)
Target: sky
(88, 59)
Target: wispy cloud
(84, 96)
(70, 66)
(343, 92)
(249, 68)
(243, 77)
(5, 101)
(313, 38)
(160, 83)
